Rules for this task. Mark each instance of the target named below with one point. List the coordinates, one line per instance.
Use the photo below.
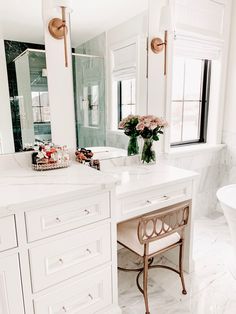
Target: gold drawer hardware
(58, 219)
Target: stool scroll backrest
(173, 219)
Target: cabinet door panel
(11, 301)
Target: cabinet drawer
(58, 218)
(86, 295)
(7, 233)
(66, 257)
(149, 201)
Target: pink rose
(153, 125)
(122, 124)
(140, 126)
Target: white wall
(6, 134)
(60, 83)
(229, 128)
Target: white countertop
(137, 178)
(21, 186)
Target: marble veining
(211, 288)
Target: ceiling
(21, 20)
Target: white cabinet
(86, 295)
(11, 301)
(65, 251)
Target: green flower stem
(148, 154)
(133, 148)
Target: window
(190, 101)
(126, 98)
(41, 109)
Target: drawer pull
(90, 296)
(64, 309)
(61, 261)
(58, 219)
(89, 251)
(87, 212)
(148, 202)
(165, 197)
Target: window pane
(193, 79)
(128, 92)
(176, 122)
(178, 79)
(127, 110)
(45, 114)
(36, 114)
(191, 121)
(35, 98)
(44, 101)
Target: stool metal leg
(181, 268)
(145, 284)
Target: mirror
(109, 40)
(110, 69)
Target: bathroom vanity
(58, 232)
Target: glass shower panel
(89, 89)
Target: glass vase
(133, 148)
(148, 154)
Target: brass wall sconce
(58, 29)
(157, 46)
(166, 25)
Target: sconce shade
(166, 19)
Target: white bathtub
(227, 197)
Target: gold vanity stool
(153, 234)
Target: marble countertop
(134, 178)
(20, 185)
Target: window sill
(192, 149)
(118, 132)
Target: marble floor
(211, 288)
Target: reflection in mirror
(28, 91)
(29, 100)
(32, 103)
(109, 40)
(110, 72)
(89, 74)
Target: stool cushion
(127, 234)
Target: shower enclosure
(89, 90)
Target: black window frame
(205, 99)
